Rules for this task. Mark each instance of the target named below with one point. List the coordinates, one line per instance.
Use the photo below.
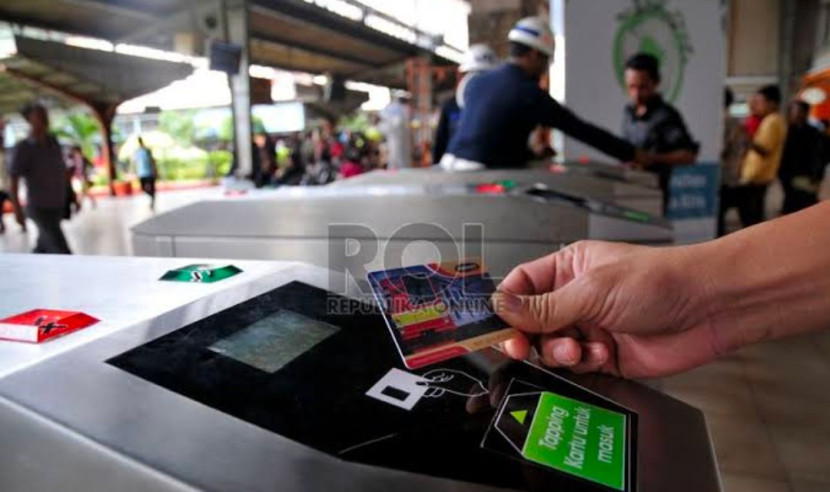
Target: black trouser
(148, 185)
(796, 199)
(730, 197)
(752, 202)
(50, 238)
(3, 197)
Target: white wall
(590, 83)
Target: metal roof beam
(190, 13)
(51, 26)
(331, 21)
(115, 7)
(315, 50)
(45, 85)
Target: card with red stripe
(438, 311)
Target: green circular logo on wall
(649, 27)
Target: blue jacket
(503, 106)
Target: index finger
(541, 275)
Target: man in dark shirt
(802, 163)
(479, 58)
(39, 161)
(504, 105)
(653, 124)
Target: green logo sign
(649, 27)
(568, 435)
(203, 274)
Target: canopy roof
(288, 34)
(97, 78)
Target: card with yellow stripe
(438, 311)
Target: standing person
(4, 194)
(479, 58)
(503, 106)
(652, 124)
(763, 158)
(38, 160)
(752, 122)
(268, 160)
(731, 157)
(292, 174)
(395, 121)
(146, 170)
(802, 163)
(80, 167)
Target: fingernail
(595, 353)
(505, 302)
(563, 355)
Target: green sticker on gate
(201, 274)
(568, 435)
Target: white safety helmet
(478, 58)
(533, 32)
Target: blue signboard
(694, 201)
(693, 192)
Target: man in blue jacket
(504, 105)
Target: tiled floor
(766, 405)
(103, 230)
(766, 408)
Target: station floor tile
(745, 483)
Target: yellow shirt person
(762, 169)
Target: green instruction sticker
(636, 216)
(578, 438)
(204, 274)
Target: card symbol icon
(395, 393)
(399, 388)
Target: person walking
(79, 167)
(39, 162)
(146, 170)
(4, 194)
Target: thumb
(544, 313)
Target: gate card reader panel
(633, 194)
(339, 403)
(342, 390)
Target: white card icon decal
(399, 388)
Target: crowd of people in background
(57, 180)
(318, 156)
(769, 145)
(490, 122)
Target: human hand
(630, 311)
(643, 159)
(441, 381)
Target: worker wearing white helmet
(479, 58)
(505, 104)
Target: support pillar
(236, 15)
(419, 82)
(105, 114)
